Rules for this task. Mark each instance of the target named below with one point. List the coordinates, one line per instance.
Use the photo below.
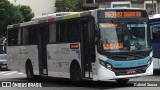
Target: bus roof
(156, 16)
(51, 18)
(62, 16)
(53, 15)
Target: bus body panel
(156, 48)
(107, 74)
(59, 58)
(156, 63)
(103, 74)
(13, 58)
(20, 56)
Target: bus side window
(61, 31)
(13, 37)
(74, 31)
(68, 31)
(156, 33)
(20, 36)
(29, 36)
(64, 31)
(52, 33)
(32, 35)
(25, 36)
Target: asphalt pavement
(139, 83)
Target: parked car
(3, 61)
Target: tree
(9, 14)
(26, 12)
(68, 5)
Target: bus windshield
(155, 28)
(125, 36)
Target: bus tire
(122, 81)
(29, 72)
(75, 72)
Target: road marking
(20, 73)
(2, 72)
(10, 73)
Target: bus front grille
(124, 71)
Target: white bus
(101, 44)
(155, 29)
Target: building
(145, 4)
(39, 7)
(89, 4)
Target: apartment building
(39, 7)
(152, 6)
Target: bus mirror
(96, 30)
(96, 33)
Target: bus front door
(86, 49)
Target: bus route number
(112, 46)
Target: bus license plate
(130, 71)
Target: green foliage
(10, 14)
(26, 12)
(68, 5)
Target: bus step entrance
(87, 78)
(88, 71)
(88, 74)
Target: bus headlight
(109, 66)
(102, 62)
(105, 64)
(149, 62)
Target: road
(65, 84)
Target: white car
(3, 61)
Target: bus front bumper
(106, 74)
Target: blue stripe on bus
(128, 63)
(155, 26)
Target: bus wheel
(122, 81)
(75, 72)
(29, 72)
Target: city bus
(155, 28)
(98, 45)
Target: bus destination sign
(120, 14)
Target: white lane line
(20, 73)
(10, 73)
(3, 72)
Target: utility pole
(15, 2)
(153, 8)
